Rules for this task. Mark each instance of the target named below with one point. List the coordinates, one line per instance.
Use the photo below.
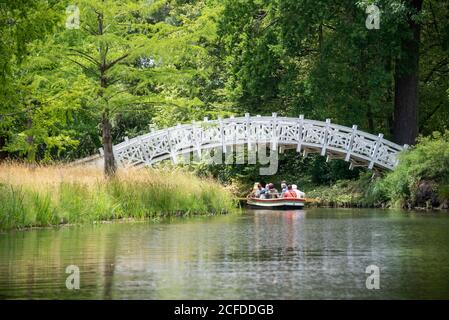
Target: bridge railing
(336, 141)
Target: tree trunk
(109, 160)
(405, 126)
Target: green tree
(21, 23)
(318, 58)
(44, 105)
(133, 53)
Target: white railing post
(326, 133)
(196, 143)
(255, 124)
(171, 147)
(350, 143)
(376, 148)
(300, 127)
(233, 133)
(203, 140)
(222, 135)
(248, 130)
(274, 134)
(144, 152)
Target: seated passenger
(290, 193)
(254, 191)
(284, 187)
(272, 192)
(259, 191)
(263, 190)
(299, 193)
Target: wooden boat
(278, 203)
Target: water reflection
(316, 253)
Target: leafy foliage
(428, 160)
(161, 62)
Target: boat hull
(276, 204)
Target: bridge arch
(309, 136)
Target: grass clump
(45, 196)
(343, 193)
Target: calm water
(310, 254)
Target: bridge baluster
(171, 147)
(274, 133)
(248, 130)
(376, 148)
(300, 126)
(351, 141)
(146, 158)
(326, 134)
(222, 135)
(233, 134)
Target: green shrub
(427, 160)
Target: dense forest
(79, 75)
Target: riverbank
(362, 194)
(419, 182)
(59, 195)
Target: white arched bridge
(308, 136)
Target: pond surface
(308, 254)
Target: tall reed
(51, 195)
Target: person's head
(256, 186)
(294, 187)
(283, 184)
(259, 186)
(290, 187)
(270, 186)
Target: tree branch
(430, 115)
(86, 56)
(84, 67)
(112, 63)
(435, 68)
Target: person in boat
(260, 192)
(299, 193)
(290, 193)
(263, 190)
(284, 187)
(255, 193)
(272, 192)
